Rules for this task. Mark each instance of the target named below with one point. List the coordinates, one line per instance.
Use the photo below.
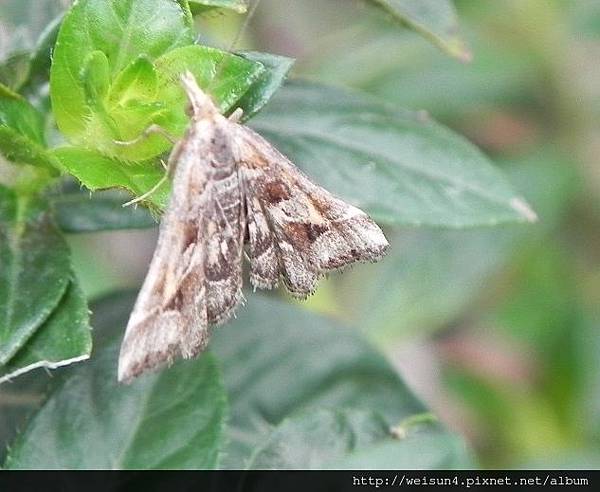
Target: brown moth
(232, 188)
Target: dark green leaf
(14, 71)
(276, 70)
(35, 269)
(21, 117)
(430, 81)
(434, 19)
(64, 338)
(351, 439)
(262, 353)
(169, 420)
(315, 439)
(429, 449)
(274, 365)
(20, 150)
(80, 211)
(426, 281)
(20, 401)
(402, 167)
(431, 277)
(99, 172)
(22, 131)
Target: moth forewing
(194, 278)
(298, 231)
(230, 184)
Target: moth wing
(194, 279)
(298, 231)
(169, 317)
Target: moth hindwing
(231, 187)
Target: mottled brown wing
(195, 277)
(297, 231)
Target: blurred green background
(496, 329)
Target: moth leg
(149, 192)
(236, 116)
(153, 129)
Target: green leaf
(432, 449)
(98, 172)
(64, 338)
(315, 439)
(351, 439)
(169, 420)
(35, 269)
(430, 81)
(16, 113)
(80, 211)
(225, 76)
(95, 77)
(428, 280)
(27, 71)
(21, 401)
(449, 270)
(401, 167)
(151, 46)
(144, 94)
(199, 6)
(434, 19)
(123, 31)
(262, 90)
(14, 71)
(273, 375)
(272, 368)
(22, 131)
(20, 150)
(137, 81)
(134, 89)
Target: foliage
(269, 395)
(177, 419)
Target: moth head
(200, 104)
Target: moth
(233, 196)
